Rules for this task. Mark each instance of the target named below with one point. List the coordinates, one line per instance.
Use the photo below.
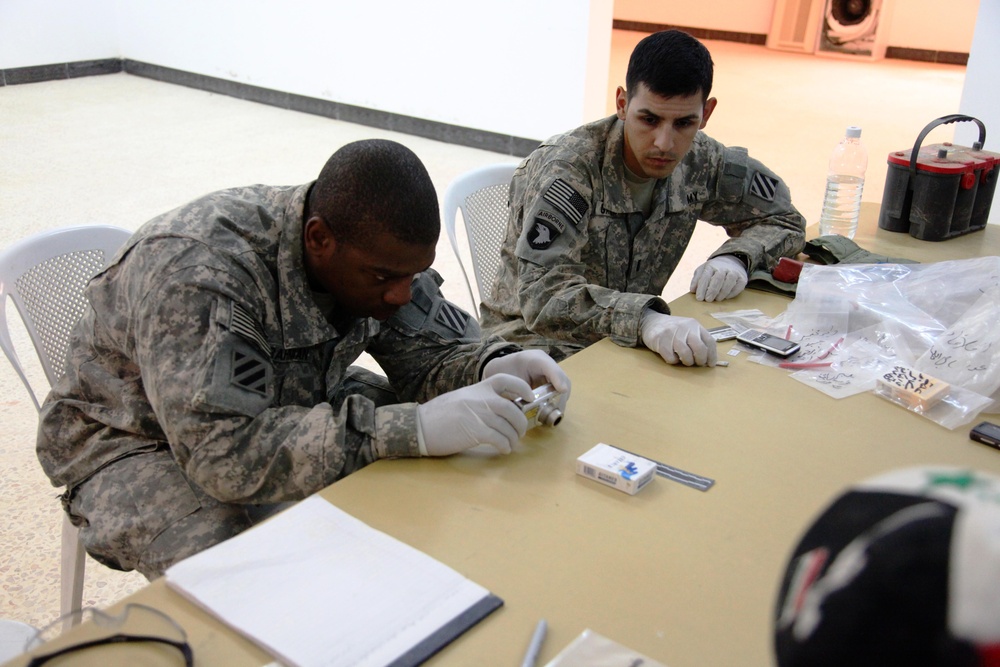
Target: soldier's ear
(707, 111)
(318, 240)
(621, 102)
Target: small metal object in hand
(544, 409)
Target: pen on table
(531, 655)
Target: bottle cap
(854, 132)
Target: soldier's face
(659, 130)
(372, 280)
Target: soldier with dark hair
(600, 216)
(211, 380)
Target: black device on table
(769, 343)
(987, 433)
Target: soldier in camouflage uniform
(211, 378)
(600, 216)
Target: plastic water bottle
(844, 182)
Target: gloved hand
(482, 413)
(719, 278)
(677, 339)
(534, 367)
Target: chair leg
(71, 571)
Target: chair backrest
(481, 196)
(44, 276)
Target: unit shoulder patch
(452, 317)
(542, 234)
(763, 186)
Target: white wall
(517, 67)
(980, 95)
(520, 68)
(47, 32)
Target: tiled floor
(119, 149)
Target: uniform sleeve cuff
(397, 431)
(499, 349)
(628, 316)
(750, 253)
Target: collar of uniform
(303, 324)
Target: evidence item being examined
(987, 433)
(911, 388)
(616, 468)
(940, 191)
(544, 410)
(769, 343)
(722, 333)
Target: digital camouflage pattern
(204, 341)
(570, 272)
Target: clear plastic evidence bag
(924, 336)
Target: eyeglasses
(136, 624)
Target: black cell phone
(987, 433)
(768, 343)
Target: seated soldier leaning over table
(211, 374)
(600, 216)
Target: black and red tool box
(940, 191)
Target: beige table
(686, 577)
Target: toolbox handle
(943, 120)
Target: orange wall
(915, 24)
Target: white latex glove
(534, 367)
(719, 278)
(677, 339)
(482, 413)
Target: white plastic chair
(44, 276)
(481, 196)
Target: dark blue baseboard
(429, 129)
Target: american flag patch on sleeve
(245, 325)
(566, 200)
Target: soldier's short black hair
(670, 63)
(376, 185)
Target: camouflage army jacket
(203, 334)
(570, 274)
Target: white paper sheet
(315, 586)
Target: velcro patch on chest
(566, 200)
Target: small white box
(610, 465)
